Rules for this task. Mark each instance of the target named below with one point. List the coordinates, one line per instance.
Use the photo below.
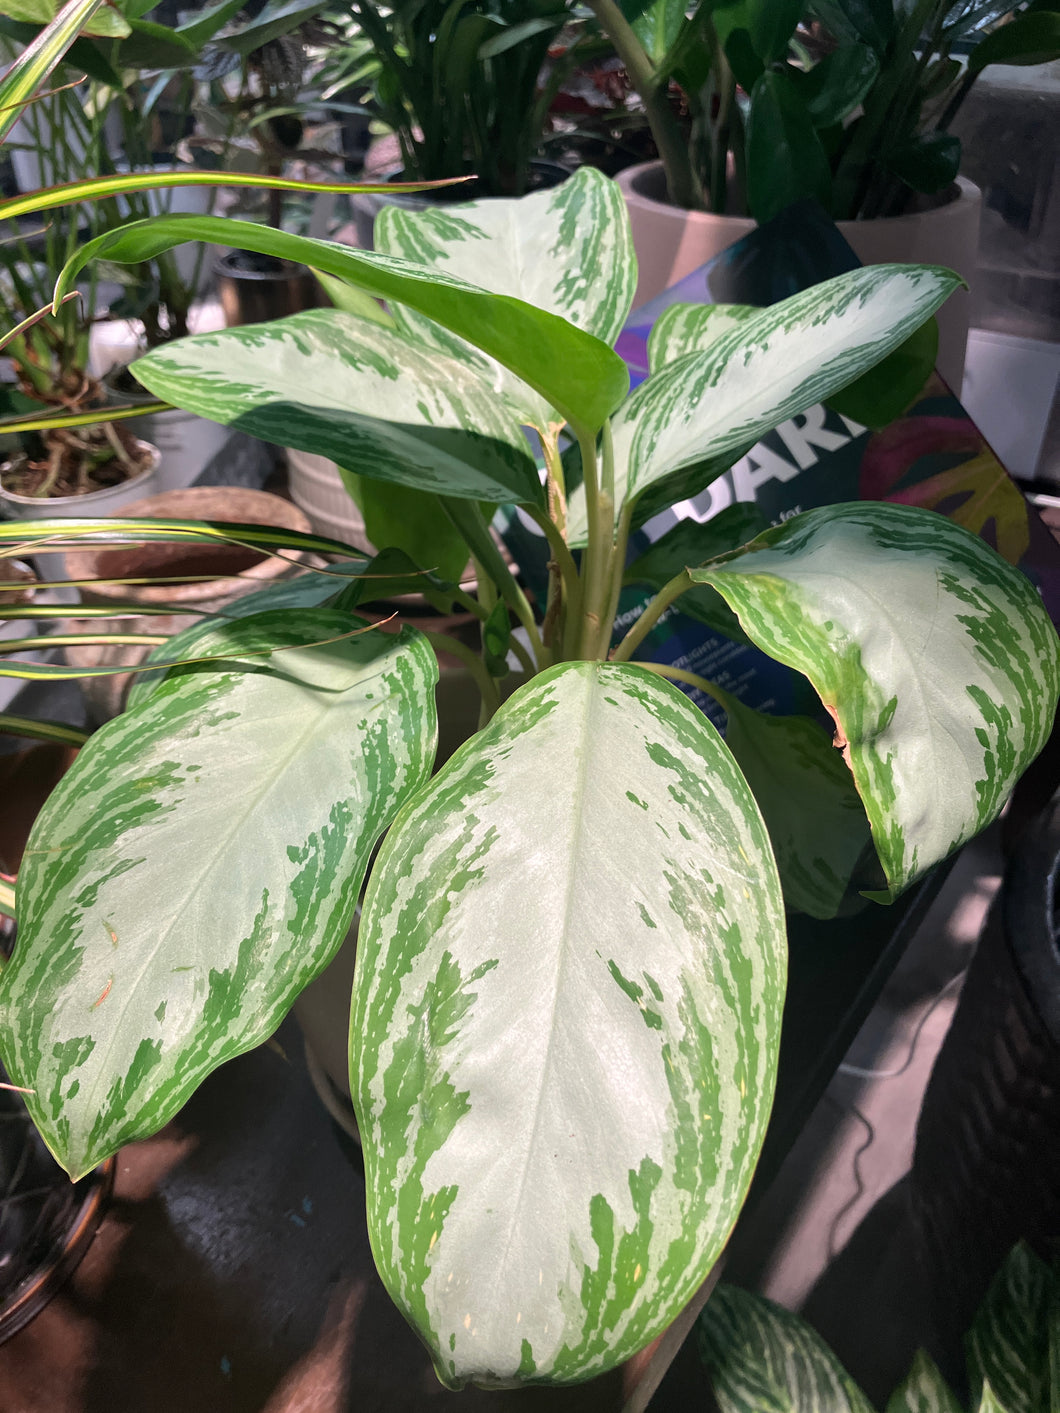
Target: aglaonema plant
(571, 956)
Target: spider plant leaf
(935, 657)
(568, 251)
(95, 188)
(199, 865)
(577, 373)
(35, 63)
(366, 396)
(570, 973)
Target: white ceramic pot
(671, 243)
(317, 489)
(105, 502)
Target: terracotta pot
(671, 243)
(105, 695)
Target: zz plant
(571, 957)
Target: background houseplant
(51, 357)
(561, 1109)
(842, 102)
(845, 102)
(759, 1355)
(458, 86)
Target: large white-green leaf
(707, 408)
(1008, 1345)
(935, 656)
(566, 1014)
(567, 250)
(344, 387)
(761, 1358)
(199, 865)
(578, 373)
(923, 1390)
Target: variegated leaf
(989, 1402)
(199, 865)
(693, 328)
(923, 1390)
(567, 250)
(578, 373)
(564, 1034)
(703, 411)
(816, 821)
(936, 658)
(1008, 1344)
(761, 1357)
(350, 389)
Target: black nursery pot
(255, 288)
(986, 1170)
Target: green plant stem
(651, 615)
(618, 566)
(678, 674)
(468, 521)
(665, 129)
(526, 662)
(596, 565)
(487, 685)
(562, 556)
(719, 133)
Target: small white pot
(671, 243)
(105, 502)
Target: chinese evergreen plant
(571, 958)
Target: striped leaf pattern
(693, 328)
(347, 388)
(923, 1390)
(711, 407)
(199, 865)
(935, 656)
(568, 250)
(576, 372)
(1008, 1344)
(570, 974)
(760, 1358)
(989, 1402)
